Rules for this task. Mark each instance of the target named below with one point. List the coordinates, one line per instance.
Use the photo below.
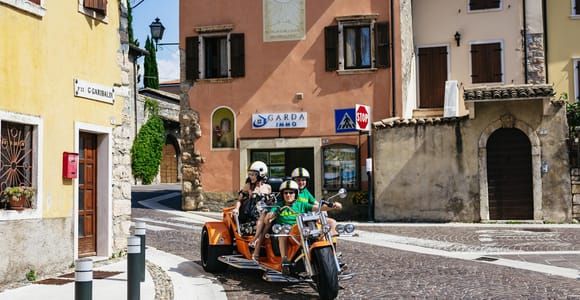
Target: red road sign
(363, 117)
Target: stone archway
(509, 121)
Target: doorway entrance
(509, 175)
(87, 191)
(168, 167)
(281, 162)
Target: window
(576, 64)
(20, 160)
(484, 4)
(357, 43)
(340, 163)
(215, 55)
(486, 63)
(34, 7)
(575, 7)
(223, 129)
(96, 9)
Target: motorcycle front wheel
(327, 273)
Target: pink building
(278, 81)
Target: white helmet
(260, 167)
(300, 173)
(289, 185)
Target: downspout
(545, 23)
(525, 34)
(393, 80)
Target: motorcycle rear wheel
(327, 273)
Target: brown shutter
(331, 48)
(486, 63)
(382, 59)
(35, 1)
(476, 63)
(98, 5)
(495, 62)
(191, 58)
(238, 55)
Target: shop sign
(280, 120)
(93, 91)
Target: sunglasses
(288, 193)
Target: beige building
(503, 158)
(275, 84)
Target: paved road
(384, 272)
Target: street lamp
(157, 30)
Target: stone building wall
(575, 179)
(536, 58)
(123, 135)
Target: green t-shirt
(306, 196)
(288, 215)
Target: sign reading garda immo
(280, 120)
(94, 91)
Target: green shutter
(192, 58)
(238, 55)
(382, 59)
(331, 48)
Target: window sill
(27, 213)
(215, 80)
(26, 6)
(486, 10)
(357, 71)
(574, 17)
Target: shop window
(340, 163)
(475, 5)
(223, 129)
(356, 43)
(215, 55)
(16, 156)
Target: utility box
(70, 162)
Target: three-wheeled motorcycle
(310, 248)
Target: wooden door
(87, 217)
(432, 76)
(168, 168)
(509, 175)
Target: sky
(168, 12)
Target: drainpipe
(545, 23)
(525, 33)
(393, 80)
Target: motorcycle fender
(218, 233)
(319, 244)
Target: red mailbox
(70, 165)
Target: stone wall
(123, 135)
(54, 241)
(536, 58)
(575, 179)
(428, 171)
(191, 160)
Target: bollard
(140, 232)
(84, 279)
(133, 268)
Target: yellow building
(563, 51)
(64, 77)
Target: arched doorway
(168, 167)
(509, 175)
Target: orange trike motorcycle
(310, 248)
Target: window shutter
(495, 62)
(578, 79)
(35, 1)
(98, 5)
(382, 59)
(331, 48)
(238, 55)
(192, 58)
(476, 60)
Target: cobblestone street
(388, 273)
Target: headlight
(349, 228)
(276, 228)
(326, 228)
(340, 228)
(286, 229)
(306, 231)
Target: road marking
(404, 244)
(148, 220)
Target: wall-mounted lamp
(457, 37)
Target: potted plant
(18, 197)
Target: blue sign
(344, 120)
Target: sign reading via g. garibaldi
(280, 120)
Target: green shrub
(573, 116)
(148, 146)
(31, 275)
